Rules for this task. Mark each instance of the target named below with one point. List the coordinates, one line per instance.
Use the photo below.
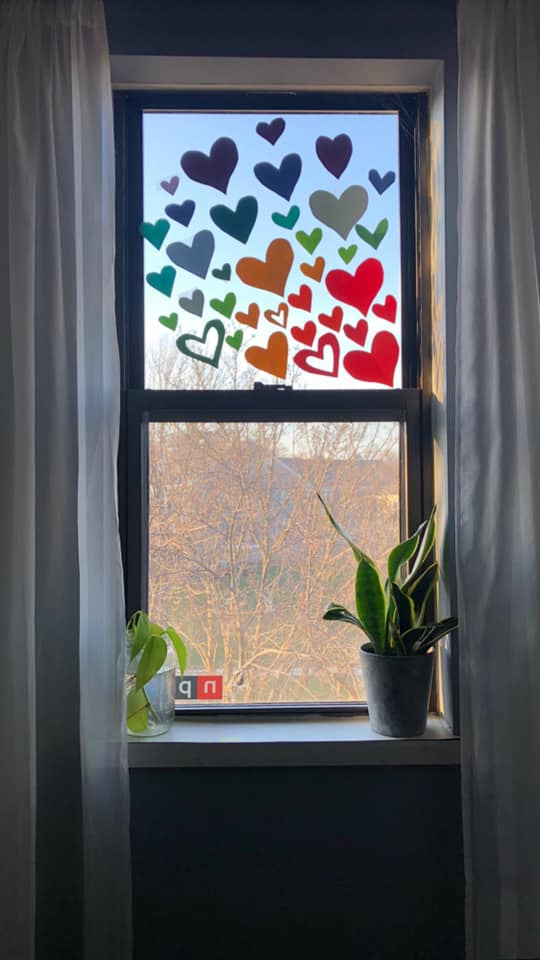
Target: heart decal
(212, 357)
(271, 131)
(375, 238)
(305, 334)
(358, 289)
(195, 258)
(271, 359)
(171, 186)
(339, 213)
(170, 322)
(181, 212)
(302, 299)
(162, 281)
(386, 310)
(289, 220)
(334, 154)
(155, 233)
(269, 274)
(315, 270)
(327, 345)
(226, 306)
(236, 223)
(278, 316)
(376, 365)
(222, 273)
(251, 318)
(193, 304)
(347, 253)
(381, 183)
(283, 179)
(214, 170)
(235, 339)
(358, 333)
(310, 241)
(333, 320)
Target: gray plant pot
(398, 691)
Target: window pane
(243, 561)
(271, 249)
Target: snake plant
(392, 615)
(150, 643)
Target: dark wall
(341, 863)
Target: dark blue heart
(381, 183)
(283, 180)
(181, 212)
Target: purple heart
(271, 131)
(381, 183)
(334, 154)
(280, 180)
(214, 170)
(181, 212)
(171, 186)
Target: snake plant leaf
(141, 633)
(359, 555)
(137, 711)
(413, 637)
(371, 603)
(152, 658)
(436, 632)
(400, 555)
(426, 545)
(404, 608)
(337, 612)
(421, 590)
(179, 648)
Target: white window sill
(317, 741)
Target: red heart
(305, 334)
(334, 320)
(302, 358)
(278, 316)
(376, 365)
(357, 333)
(302, 299)
(386, 310)
(358, 289)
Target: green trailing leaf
(359, 555)
(371, 603)
(179, 647)
(152, 659)
(404, 608)
(400, 555)
(140, 628)
(425, 548)
(137, 711)
(337, 612)
(421, 589)
(435, 632)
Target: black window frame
(140, 406)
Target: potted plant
(397, 659)
(153, 653)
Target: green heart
(226, 306)
(289, 220)
(170, 321)
(186, 338)
(235, 340)
(374, 238)
(347, 253)
(310, 241)
(156, 232)
(224, 273)
(163, 281)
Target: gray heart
(193, 304)
(339, 213)
(195, 258)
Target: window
(267, 287)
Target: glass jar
(151, 709)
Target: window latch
(276, 387)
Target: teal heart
(193, 304)
(212, 359)
(347, 253)
(171, 321)
(289, 220)
(310, 241)
(236, 223)
(223, 273)
(162, 281)
(226, 306)
(374, 239)
(156, 232)
(235, 340)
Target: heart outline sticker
(212, 360)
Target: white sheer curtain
(498, 471)
(64, 813)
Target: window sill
(317, 741)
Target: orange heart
(271, 273)
(315, 270)
(278, 316)
(251, 318)
(272, 358)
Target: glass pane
(243, 561)
(271, 250)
